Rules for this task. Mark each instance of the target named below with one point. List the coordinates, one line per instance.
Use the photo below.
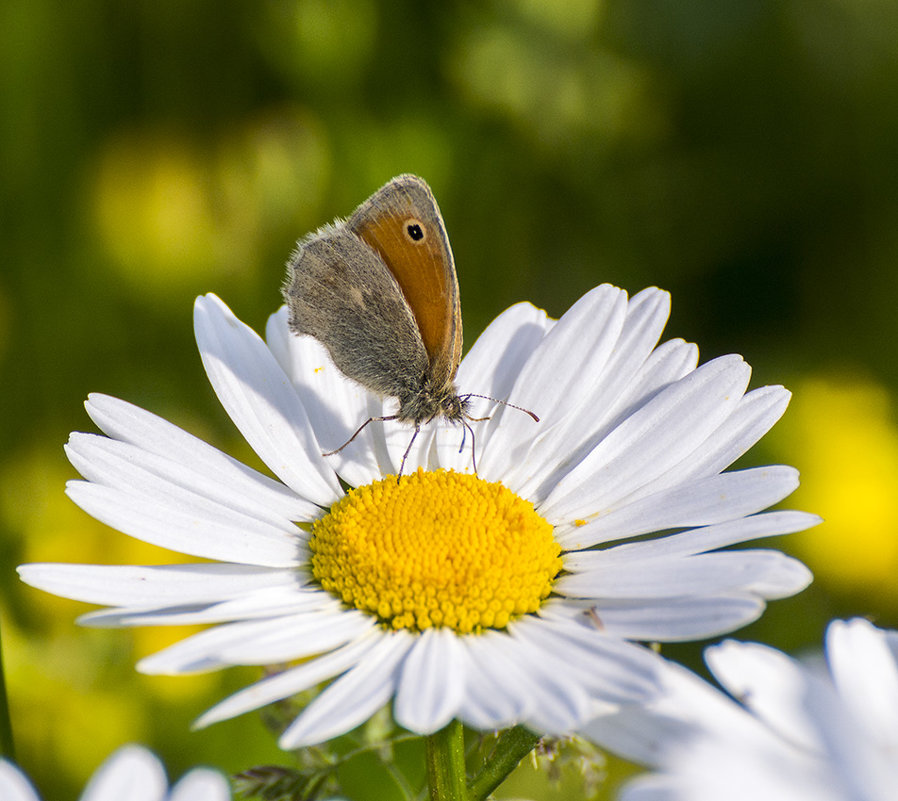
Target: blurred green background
(743, 155)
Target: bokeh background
(743, 155)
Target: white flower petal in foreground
(131, 774)
(511, 596)
(796, 733)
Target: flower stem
(446, 764)
(7, 748)
(512, 746)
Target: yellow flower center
(436, 549)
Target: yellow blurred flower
(154, 211)
(842, 432)
(173, 214)
(72, 688)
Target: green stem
(446, 764)
(7, 748)
(512, 746)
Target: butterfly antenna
(503, 402)
(359, 431)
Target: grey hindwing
(340, 292)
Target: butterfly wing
(403, 224)
(340, 292)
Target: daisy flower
(498, 598)
(796, 731)
(131, 774)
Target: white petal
(650, 788)
(613, 671)
(197, 529)
(703, 502)
(495, 694)
(548, 383)
(492, 364)
(655, 439)
(131, 773)
(255, 642)
(673, 619)
(721, 572)
(562, 701)
(157, 585)
(274, 602)
(865, 672)
(296, 637)
(491, 368)
(667, 364)
(583, 340)
(432, 682)
(600, 388)
(717, 768)
(770, 683)
(637, 733)
(688, 707)
(354, 697)
(278, 337)
(261, 401)
(784, 578)
(124, 466)
(646, 317)
(754, 416)
(201, 784)
(556, 704)
(127, 423)
(291, 681)
(171, 487)
(14, 785)
(694, 541)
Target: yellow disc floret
(436, 549)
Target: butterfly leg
(359, 431)
(408, 450)
(467, 427)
